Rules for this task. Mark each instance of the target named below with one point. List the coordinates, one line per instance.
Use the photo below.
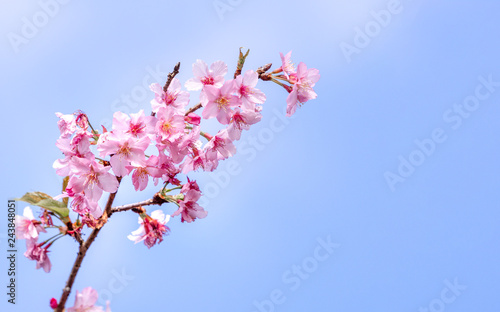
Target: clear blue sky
(396, 162)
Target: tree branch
(171, 76)
(156, 200)
(193, 109)
(83, 251)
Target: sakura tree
(161, 147)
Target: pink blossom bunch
(28, 228)
(163, 146)
(301, 79)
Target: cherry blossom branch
(83, 251)
(171, 76)
(193, 109)
(156, 200)
(261, 71)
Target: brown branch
(83, 251)
(74, 233)
(193, 109)
(156, 200)
(171, 76)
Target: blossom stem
(207, 136)
(53, 239)
(277, 82)
(172, 189)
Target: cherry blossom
(26, 226)
(92, 178)
(220, 146)
(303, 89)
(245, 88)
(170, 124)
(152, 229)
(205, 77)
(124, 148)
(241, 120)
(143, 170)
(66, 124)
(85, 302)
(174, 96)
(34, 251)
(82, 205)
(188, 207)
(286, 64)
(137, 125)
(220, 102)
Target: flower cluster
(28, 228)
(165, 145)
(302, 79)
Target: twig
(171, 76)
(156, 200)
(83, 251)
(192, 109)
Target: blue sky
(380, 195)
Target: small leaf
(47, 202)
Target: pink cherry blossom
(170, 124)
(35, 252)
(82, 120)
(174, 96)
(92, 178)
(137, 125)
(198, 159)
(220, 146)
(166, 165)
(189, 208)
(286, 64)
(245, 88)
(183, 145)
(82, 205)
(143, 170)
(220, 102)
(205, 77)
(124, 148)
(241, 120)
(85, 302)
(152, 229)
(190, 185)
(303, 89)
(66, 124)
(78, 146)
(26, 226)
